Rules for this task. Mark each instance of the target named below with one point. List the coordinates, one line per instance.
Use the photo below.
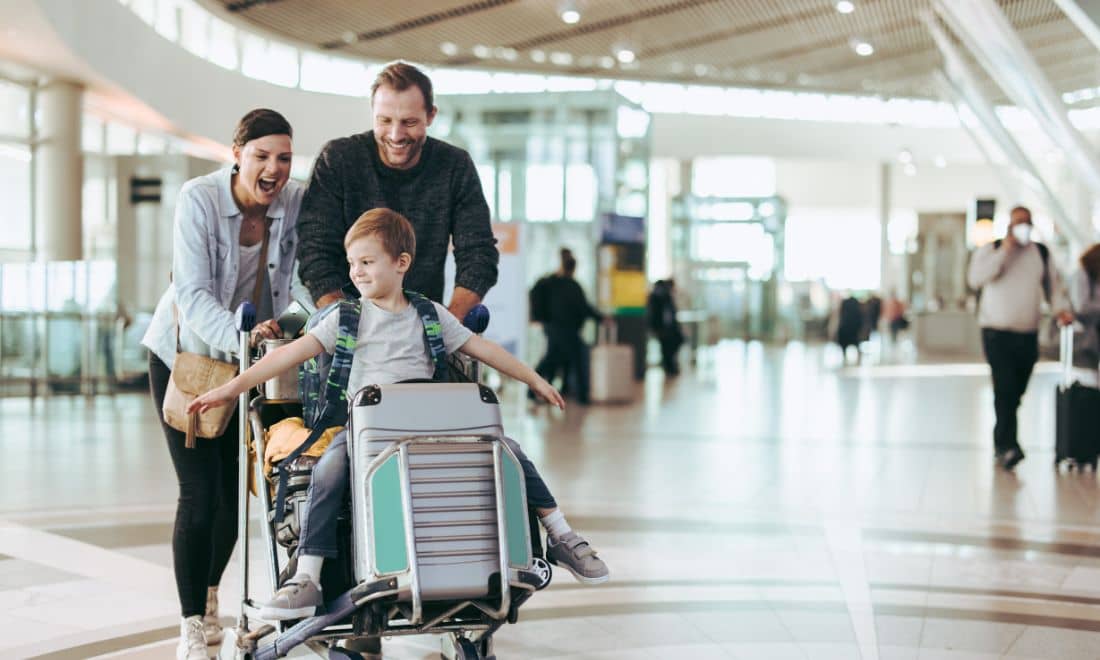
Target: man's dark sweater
(441, 196)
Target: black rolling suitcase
(1077, 440)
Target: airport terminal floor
(768, 504)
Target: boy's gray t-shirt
(390, 346)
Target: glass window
(167, 21)
(487, 174)
(504, 199)
(14, 108)
(580, 192)
(121, 139)
(91, 134)
(15, 190)
(267, 60)
(195, 29)
(733, 176)
(544, 193)
(334, 75)
(840, 246)
(223, 44)
(151, 144)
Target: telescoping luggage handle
(1065, 354)
(608, 332)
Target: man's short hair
(1020, 208)
(401, 76)
(391, 228)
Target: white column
(59, 173)
(884, 203)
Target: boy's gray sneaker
(574, 554)
(297, 599)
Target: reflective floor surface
(768, 504)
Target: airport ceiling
(785, 44)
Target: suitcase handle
(1065, 353)
(608, 332)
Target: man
(1013, 276)
(397, 166)
(560, 305)
(661, 311)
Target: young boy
(390, 348)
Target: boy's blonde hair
(391, 228)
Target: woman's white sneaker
(192, 644)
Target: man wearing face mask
(1013, 276)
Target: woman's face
(264, 167)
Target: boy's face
(374, 272)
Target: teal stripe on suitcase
(388, 513)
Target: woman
(220, 224)
(1085, 297)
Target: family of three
(380, 211)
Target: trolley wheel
(466, 650)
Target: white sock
(555, 524)
(310, 566)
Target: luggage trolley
(440, 539)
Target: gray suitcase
(429, 472)
(611, 369)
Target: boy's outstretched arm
(271, 365)
(496, 357)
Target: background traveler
(1013, 275)
(661, 311)
(560, 303)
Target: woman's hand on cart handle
(267, 330)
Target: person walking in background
(1013, 275)
(559, 303)
(661, 312)
(893, 310)
(1085, 297)
(872, 312)
(849, 325)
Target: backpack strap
(328, 406)
(433, 333)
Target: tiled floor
(766, 505)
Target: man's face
(400, 125)
(1020, 217)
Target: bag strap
(433, 333)
(332, 410)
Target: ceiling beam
(418, 22)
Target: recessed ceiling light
(349, 37)
(701, 70)
(625, 55)
(560, 58)
(863, 48)
(567, 10)
(449, 49)
(845, 7)
(607, 61)
(538, 56)
(483, 52)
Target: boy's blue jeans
(329, 486)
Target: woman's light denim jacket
(205, 261)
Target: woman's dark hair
(259, 123)
(1090, 261)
